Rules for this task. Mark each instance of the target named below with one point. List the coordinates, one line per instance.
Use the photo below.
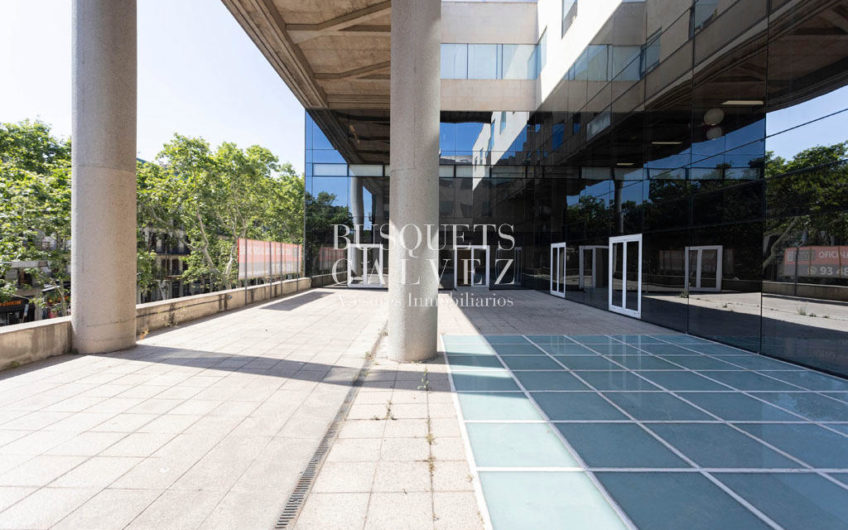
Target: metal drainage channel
(301, 490)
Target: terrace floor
(542, 410)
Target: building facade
(675, 161)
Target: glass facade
(491, 61)
(731, 162)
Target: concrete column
(103, 189)
(414, 193)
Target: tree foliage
(205, 198)
(209, 199)
(35, 206)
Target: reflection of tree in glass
(807, 199)
(321, 217)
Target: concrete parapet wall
(33, 341)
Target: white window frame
(622, 309)
(555, 269)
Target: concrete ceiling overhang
(334, 56)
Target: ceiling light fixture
(625, 164)
(665, 142)
(743, 103)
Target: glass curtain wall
(731, 162)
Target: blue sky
(198, 74)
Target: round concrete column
(414, 184)
(103, 189)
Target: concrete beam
(354, 73)
(342, 24)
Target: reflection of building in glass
(713, 130)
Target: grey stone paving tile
(391, 511)
(445, 448)
(406, 428)
(40, 470)
(97, 472)
(178, 509)
(44, 508)
(169, 424)
(355, 450)
(337, 511)
(452, 475)
(402, 476)
(141, 444)
(125, 422)
(340, 477)
(456, 511)
(9, 495)
(405, 449)
(240, 509)
(86, 444)
(110, 507)
(36, 443)
(363, 429)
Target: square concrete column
(103, 179)
(414, 184)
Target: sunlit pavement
(547, 411)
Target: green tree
(35, 207)
(206, 199)
(209, 199)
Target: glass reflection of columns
(358, 217)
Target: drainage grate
(304, 484)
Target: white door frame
(624, 241)
(365, 248)
(699, 268)
(555, 269)
(473, 270)
(594, 249)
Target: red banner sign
(267, 259)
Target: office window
(651, 53)
(569, 13)
(503, 121)
(483, 61)
(454, 61)
(703, 12)
(518, 61)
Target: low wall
(32, 341)
(168, 313)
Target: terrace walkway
(206, 425)
(619, 424)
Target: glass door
(558, 269)
(625, 275)
(471, 266)
(590, 266)
(365, 265)
(703, 268)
